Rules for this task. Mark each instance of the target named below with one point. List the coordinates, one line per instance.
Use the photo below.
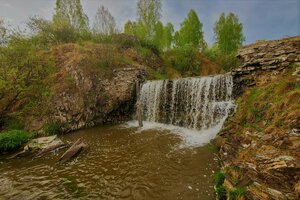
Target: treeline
(188, 41)
(71, 24)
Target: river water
(122, 162)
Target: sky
(262, 19)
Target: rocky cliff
(260, 144)
(89, 88)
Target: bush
(53, 128)
(13, 139)
(185, 60)
(226, 61)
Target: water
(166, 159)
(122, 162)
(195, 103)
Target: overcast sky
(262, 19)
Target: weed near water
(13, 139)
(219, 188)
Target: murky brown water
(120, 164)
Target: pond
(122, 162)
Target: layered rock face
(90, 87)
(260, 144)
(276, 54)
(97, 101)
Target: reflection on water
(121, 163)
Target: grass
(237, 193)
(269, 106)
(13, 139)
(53, 128)
(14, 125)
(221, 192)
(219, 178)
(219, 188)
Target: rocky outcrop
(265, 57)
(96, 101)
(89, 88)
(268, 55)
(260, 144)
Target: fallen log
(73, 150)
(49, 149)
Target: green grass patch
(221, 192)
(236, 193)
(219, 178)
(13, 139)
(14, 125)
(53, 128)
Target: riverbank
(259, 145)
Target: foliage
(13, 139)
(219, 188)
(219, 178)
(159, 36)
(48, 33)
(168, 36)
(22, 72)
(149, 14)
(53, 128)
(185, 60)
(149, 28)
(104, 22)
(190, 32)
(236, 193)
(130, 28)
(226, 61)
(221, 192)
(229, 33)
(71, 12)
(14, 125)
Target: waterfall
(194, 103)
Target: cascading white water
(195, 103)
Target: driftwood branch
(73, 150)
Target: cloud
(262, 19)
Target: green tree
(149, 14)
(104, 22)
(190, 32)
(71, 11)
(158, 39)
(168, 35)
(229, 33)
(130, 28)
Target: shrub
(13, 139)
(184, 59)
(226, 61)
(53, 128)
